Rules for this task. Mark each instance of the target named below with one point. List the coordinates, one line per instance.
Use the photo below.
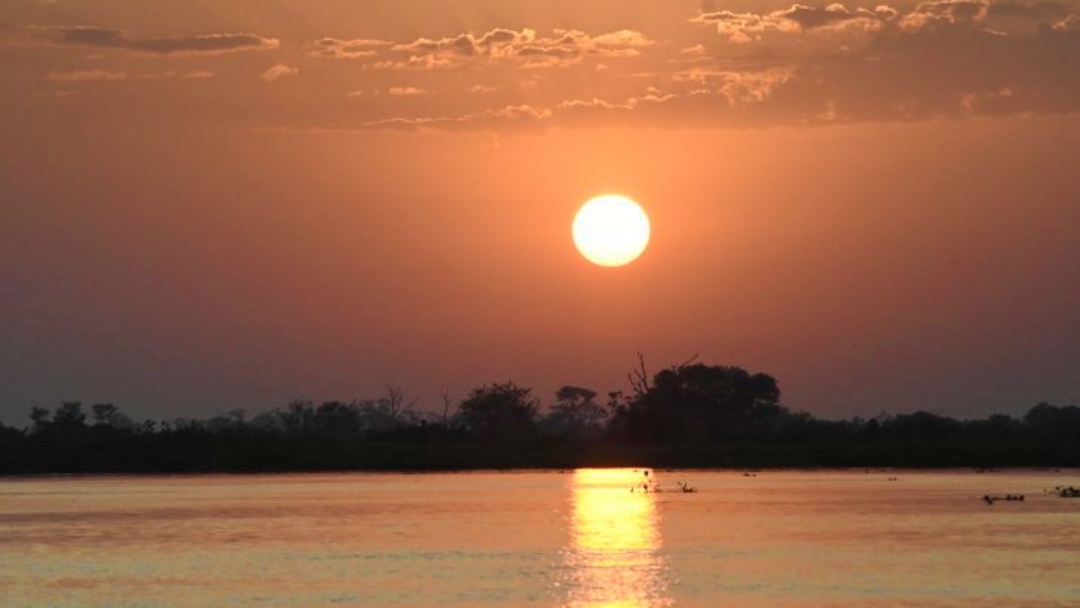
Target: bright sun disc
(611, 230)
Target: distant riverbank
(688, 416)
(212, 454)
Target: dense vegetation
(690, 415)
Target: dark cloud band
(107, 38)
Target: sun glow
(611, 230)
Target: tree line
(688, 415)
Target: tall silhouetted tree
(576, 413)
(922, 426)
(40, 417)
(997, 427)
(1054, 421)
(338, 419)
(499, 411)
(696, 402)
(107, 414)
(69, 415)
(298, 417)
(447, 405)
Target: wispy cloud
(85, 75)
(749, 26)
(941, 59)
(827, 64)
(278, 71)
(525, 47)
(114, 76)
(108, 38)
(346, 49)
(407, 91)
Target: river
(574, 539)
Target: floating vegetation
(650, 485)
(1008, 497)
(1066, 492)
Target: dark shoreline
(736, 472)
(690, 416)
(284, 456)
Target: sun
(611, 230)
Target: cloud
(346, 49)
(944, 59)
(110, 76)
(107, 38)
(529, 116)
(939, 59)
(525, 47)
(521, 115)
(279, 71)
(46, 96)
(406, 91)
(85, 75)
(1068, 24)
(838, 18)
(199, 75)
(746, 27)
(1037, 10)
(797, 65)
(945, 12)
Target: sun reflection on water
(614, 551)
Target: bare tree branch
(639, 378)
(447, 402)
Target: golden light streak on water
(615, 543)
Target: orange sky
(209, 205)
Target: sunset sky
(218, 204)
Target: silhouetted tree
(1054, 421)
(696, 402)
(687, 403)
(263, 422)
(394, 404)
(997, 427)
(104, 413)
(40, 417)
(107, 414)
(297, 417)
(922, 426)
(447, 404)
(499, 411)
(576, 413)
(69, 415)
(338, 419)
(387, 414)
(233, 421)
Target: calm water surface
(574, 539)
